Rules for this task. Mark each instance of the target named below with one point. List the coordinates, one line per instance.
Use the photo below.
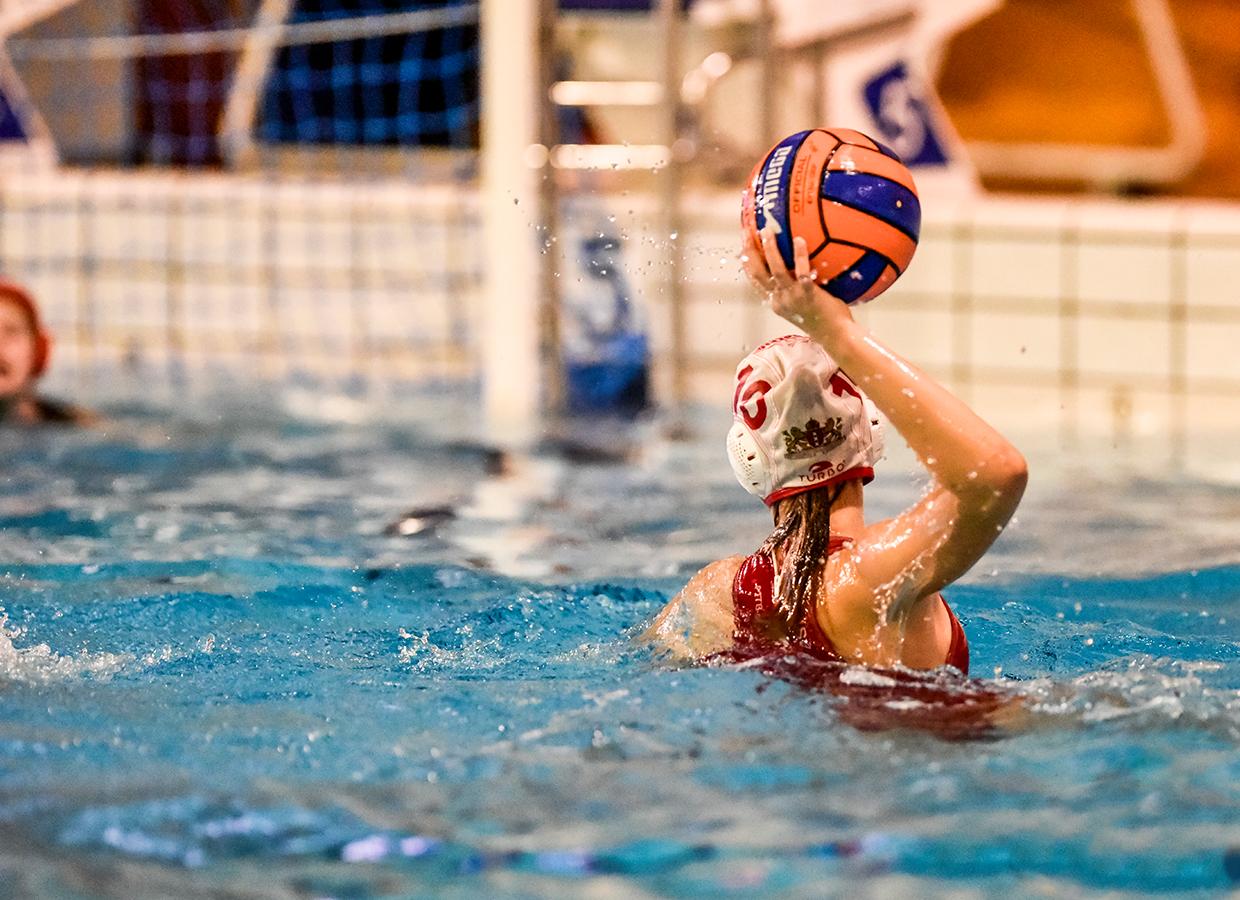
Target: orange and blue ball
(851, 199)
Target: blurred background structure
(208, 192)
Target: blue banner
(10, 126)
(903, 118)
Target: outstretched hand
(793, 295)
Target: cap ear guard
(749, 463)
(42, 353)
(878, 435)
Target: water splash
(39, 664)
(1142, 692)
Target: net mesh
(164, 81)
(180, 97)
(340, 249)
(418, 88)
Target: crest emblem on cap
(814, 437)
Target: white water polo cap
(799, 422)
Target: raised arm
(979, 476)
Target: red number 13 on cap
(749, 401)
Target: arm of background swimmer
(698, 620)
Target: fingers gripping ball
(849, 197)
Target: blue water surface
(266, 656)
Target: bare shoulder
(875, 606)
(698, 621)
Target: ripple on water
(278, 695)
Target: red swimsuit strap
(753, 602)
(837, 542)
(958, 650)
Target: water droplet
(675, 234)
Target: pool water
(266, 655)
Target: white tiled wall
(1096, 320)
(1083, 318)
(226, 273)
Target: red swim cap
(13, 292)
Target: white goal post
(512, 110)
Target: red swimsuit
(752, 604)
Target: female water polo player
(826, 583)
(24, 350)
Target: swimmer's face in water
(18, 350)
